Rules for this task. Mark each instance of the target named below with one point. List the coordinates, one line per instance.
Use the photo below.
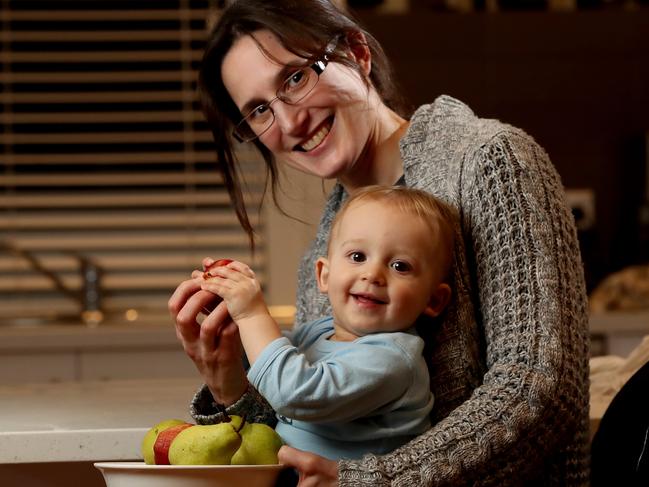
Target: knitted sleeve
(532, 407)
(252, 405)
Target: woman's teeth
(317, 138)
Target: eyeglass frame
(318, 66)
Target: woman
(509, 363)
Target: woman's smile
(316, 139)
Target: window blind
(106, 157)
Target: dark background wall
(578, 82)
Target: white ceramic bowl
(138, 474)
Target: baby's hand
(237, 284)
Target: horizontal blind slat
(105, 117)
(18, 78)
(122, 179)
(110, 283)
(96, 97)
(133, 242)
(130, 282)
(184, 260)
(104, 138)
(105, 15)
(132, 219)
(101, 56)
(152, 157)
(142, 199)
(95, 35)
(113, 200)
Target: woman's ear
(438, 300)
(322, 274)
(360, 51)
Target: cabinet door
(150, 363)
(20, 368)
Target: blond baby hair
(439, 216)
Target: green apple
(205, 445)
(152, 435)
(259, 445)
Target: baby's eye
(357, 257)
(401, 266)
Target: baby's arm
(237, 285)
(348, 383)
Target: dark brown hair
(303, 27)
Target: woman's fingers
(228, 343)
(180, 296)
(200, 302)
(213, 322)
(226, 376)
(314, 470)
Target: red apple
(218, 263)
(163, 442)
(207, 275)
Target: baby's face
(382, 270)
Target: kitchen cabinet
(50, 434)
(618, 332)
(59, 353)
(114, 350)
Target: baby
(355, 382)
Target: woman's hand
(214, 345)
(314, 470)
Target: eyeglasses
(292, 91)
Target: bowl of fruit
(177, 453)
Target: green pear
(259, 445)
(149, 439)
(212, 444)
(236, 422)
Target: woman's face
(326, 134)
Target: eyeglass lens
(298, 85)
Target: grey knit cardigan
(509, 360)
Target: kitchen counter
(86, 421)
(117, 349)
(53, 338)
(619, 332)
(122, 380)
(65, 353)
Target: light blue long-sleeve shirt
(345, 399)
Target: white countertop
(86, 421)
